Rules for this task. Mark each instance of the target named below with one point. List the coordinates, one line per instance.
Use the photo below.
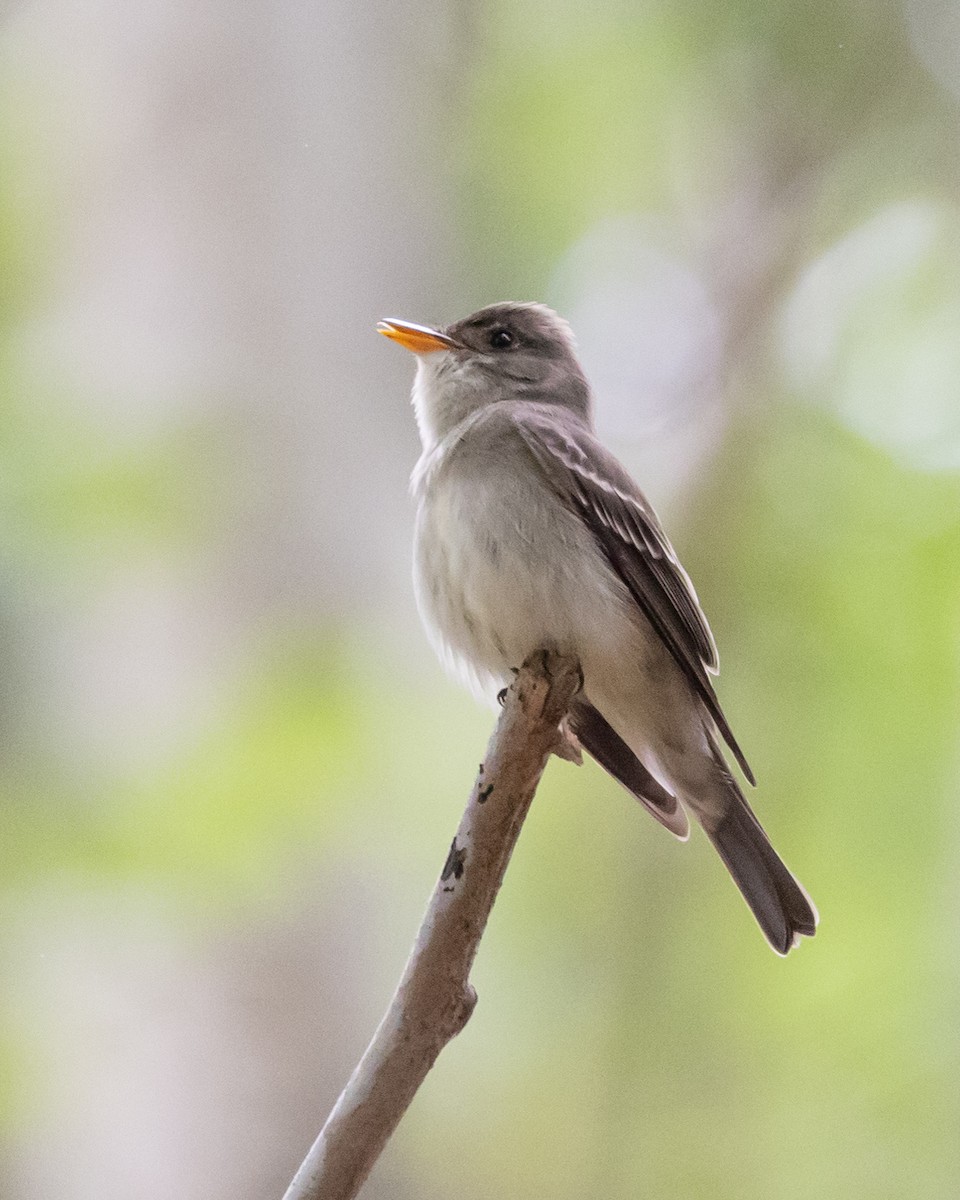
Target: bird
(529, 533)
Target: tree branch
(434, 998)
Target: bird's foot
(502, 694)
(569, 748)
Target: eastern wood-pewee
(529, 532)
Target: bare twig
(434, 999)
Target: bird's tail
(781, 906)
(601, 740)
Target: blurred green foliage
(634, 1035)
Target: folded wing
(592, 483)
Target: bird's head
(506, 351)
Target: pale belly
(500, 571)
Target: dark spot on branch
(454, 864)
(484, 793)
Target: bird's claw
(569, 748)
(502, 694)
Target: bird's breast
(502, 566)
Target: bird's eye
(500, 339)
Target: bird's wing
(600, 739)
(591, 481)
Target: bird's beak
(420, 339)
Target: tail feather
(602, 741)
(781, 906)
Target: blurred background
(230, 766)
